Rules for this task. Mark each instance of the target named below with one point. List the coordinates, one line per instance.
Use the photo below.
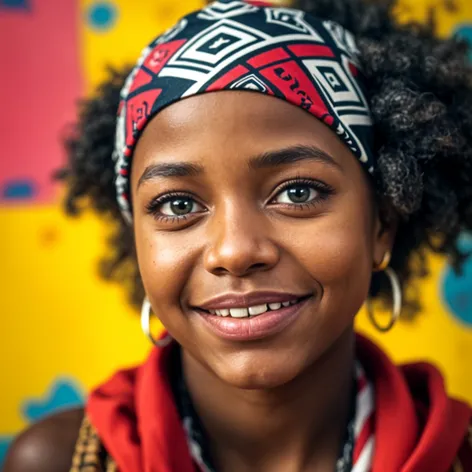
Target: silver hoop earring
(146, 310)
(396, 303)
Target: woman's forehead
(229, 121)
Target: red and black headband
(237, 45)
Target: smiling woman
(267, 165)
(270, 179)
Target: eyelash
(324, 192)
(153, 206)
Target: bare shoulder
(46, 446)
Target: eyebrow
(290, 155)
(168, 169)
(279, 157)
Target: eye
(302, 193)
(174, 207)
(179, 206)
(297, 194)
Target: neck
(297, 426)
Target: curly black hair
(419, 89)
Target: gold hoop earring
(384, 263)
(146, 310)
(396, 301)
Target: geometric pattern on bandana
(237, 45)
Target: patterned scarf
(237, 45)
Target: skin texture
(243, 234)
(279, 403)
(47, 446)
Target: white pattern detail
(250, 82)
(120, 138)
(347, 102)
(364, 462)
(182, 73)
(201, 51)
(335, 82)
(194, 447)
(218, 43)
(293, 19)
(364, 408)
(221, 10)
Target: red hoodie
(417, 427)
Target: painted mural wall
(62, 329)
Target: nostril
(240, 271)
(257, 266)
(220, 271)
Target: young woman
(274, 169)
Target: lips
(228, 301)
(254, 310)
(252, 316)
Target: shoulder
(47, 446)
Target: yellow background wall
(63, 330)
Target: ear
(385, 230)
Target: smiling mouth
(253, 311)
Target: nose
(240, 243)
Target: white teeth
(252, 310)
(257, 310)
(239, 312)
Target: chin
(260, 374)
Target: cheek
(165, 262)
(339, 257)
(346, 274)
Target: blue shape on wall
(18, 190)
(465, 31)
(20, 4)
(102, 15)
(457, 289)
(62, 395)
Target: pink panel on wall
(39, 86)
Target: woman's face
(242, 200)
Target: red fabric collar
(137, 420)
(413, 412)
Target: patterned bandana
(239, 45)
